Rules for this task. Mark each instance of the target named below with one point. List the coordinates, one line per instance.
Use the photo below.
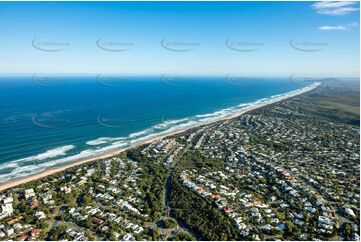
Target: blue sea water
(47, 121)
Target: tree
(183, 236)
(290, 227)
(170, 223)
(347, 231)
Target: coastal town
(286, 171)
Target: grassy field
(339, 106)
(337, 100)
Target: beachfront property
(255, 173)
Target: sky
(195, 38)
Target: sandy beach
(25, 179)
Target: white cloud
(321, 5)
(337, 27)
(328, 27)
(334, 8)
(337, 11)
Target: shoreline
(21, 180)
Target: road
(168, 186)
(166, 211)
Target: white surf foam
(167, 123)
(20, 171)
(140, 133)
(103, 140)
(60, 151)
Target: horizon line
(174, 74)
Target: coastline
(21, 180)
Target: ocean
(48, 121)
